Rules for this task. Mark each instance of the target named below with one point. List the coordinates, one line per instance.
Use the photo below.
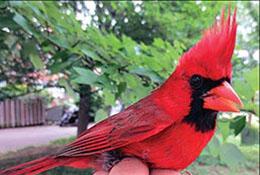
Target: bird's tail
(33, 167)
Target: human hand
(130, 166)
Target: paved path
(17, 138)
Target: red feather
(213, 51)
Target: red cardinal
(170, 127)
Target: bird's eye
(196, 81)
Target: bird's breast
(174, 148)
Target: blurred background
(65, 65)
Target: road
(13, 139)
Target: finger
(100, 173)
(130, 166)
(164, 172)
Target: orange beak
(222, 98)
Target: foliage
(110, 63)
(250, 135)
(161, 19)
(247, 87)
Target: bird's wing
(138, 122)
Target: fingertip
(130, 166)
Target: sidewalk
(17, 138)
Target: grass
(13, 158)
(62, 141)
(67, 171)
(31, 153)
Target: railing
(20, 112)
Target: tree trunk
(84, 108)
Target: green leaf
(36, 61)
(63, 65)
(3, 4)
(105, 82)
(256, 109)
(158, 42)
(66, 85)
(29, 48)
(86, 76)
(90, 53)
(84, 71)
(7, 21)
(252, 77)
(19, 19)
(10, 41)
(147, 72)
(121, 88)
(109, 98)
(243, 89)
(214, 147)
(223, 126)
(238, 124)
(131, 80)
(60, 41)
(231, 155)
(100, 115)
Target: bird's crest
(214, 51)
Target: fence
(18, 112)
